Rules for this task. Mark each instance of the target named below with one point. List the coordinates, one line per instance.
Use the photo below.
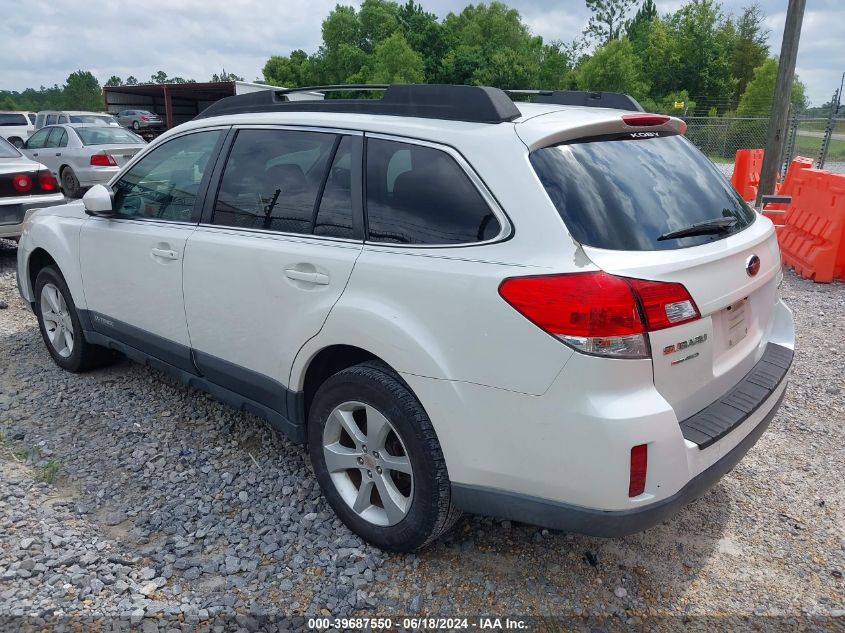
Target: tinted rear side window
(272, 180)
(420, 195)
(623, 194)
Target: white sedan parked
(82, 155)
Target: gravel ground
(127, 499)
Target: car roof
(536, 121)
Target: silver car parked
(82, 155)
(139, 119)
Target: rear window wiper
(716, 225)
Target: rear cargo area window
(622, 193)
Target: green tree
(379, 20)
(131, 81)
(82, 92)
(555, 72)
(750, 49)
(759, 94)
(394, 61)
(425, 35)
(159, 78)
(290, 72)
(114, 80)
(639, 27)
(703, 67)
(223, 76)
(613, 67)
(608, 18)
(660, 59)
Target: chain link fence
(720, 137)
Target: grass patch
(48, 473)
(809, 146)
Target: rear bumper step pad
(725, 414)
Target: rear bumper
(570, 518)
(89, 176)
(14, 211)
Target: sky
(44, 43)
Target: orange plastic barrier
(813, 239)
(746, 176)
(777, 212)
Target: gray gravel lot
(126, 495)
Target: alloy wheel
(368, 463)
(57, 321)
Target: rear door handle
(321, 279)
(164, 253)
(58, 153)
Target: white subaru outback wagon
(557, 312)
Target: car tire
(60, 327)
(70, 183)
(367, 391)
(16, 142)
(136, 126)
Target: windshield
(623, 193)
(93, 118)
(107, 136)
(7, 150)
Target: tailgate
(697, 362)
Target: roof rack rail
(474, 104)
(615, 100)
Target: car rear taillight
(47, 182)
(645, 119)
(103, 160)
(639, 470)
(22, 182)
(144, 117)
(598, 313)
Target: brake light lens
(47, 182)
(639, 470)
(103, 160)
(144, 117)
(644, 120)
(598, 313)
(22, 183)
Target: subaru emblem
(752, 266)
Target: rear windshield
(10, 118)
(624, 193)
(107, 136)
(93, 118)
(7, 150)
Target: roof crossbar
(475, 104)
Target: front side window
(272, 179)
(39, 139)
(52, 119)
(164, 184)
(420, 195)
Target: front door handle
(164, 253)
(320, 279)
(58, 153)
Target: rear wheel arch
(327, 362)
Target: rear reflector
(639, 468)
(646, 120)
(103, 160)
(598, 313)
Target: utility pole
(780, 104)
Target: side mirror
(98, 202)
